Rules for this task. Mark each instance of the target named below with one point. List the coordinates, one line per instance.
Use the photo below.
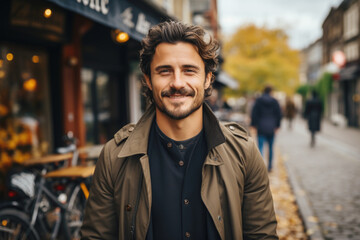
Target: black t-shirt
(176, 171)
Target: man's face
(178, 80)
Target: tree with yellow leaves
(257, 56)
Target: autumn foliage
(257, 56)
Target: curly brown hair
(173, 32)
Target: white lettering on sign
(127, 16)
(142, 26)
(94, 4)
(104, 8)
(97, 5)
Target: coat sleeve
(100, 221)
(259, 221)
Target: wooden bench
(72, 172)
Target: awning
(118, 14)
(349, 73)
(228, 81)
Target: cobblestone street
(325, 179)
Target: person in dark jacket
(313, 110)
(265, 118)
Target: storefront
(350, 93)
(63, 69)
(106, 73)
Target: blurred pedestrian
(289, 111)
(179, 173)
(265, 118)
(313, 111)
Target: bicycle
(49, 210)
(57, 203)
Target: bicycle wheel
(75, 212)
(15, 224)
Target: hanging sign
(118, 14)
(339, 58)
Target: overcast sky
(301, 19)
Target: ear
(208, 80)
(148, 82)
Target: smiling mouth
(178, 93)
(178, 96)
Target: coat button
(219, 218)
(187, 234)
(186, 201)
(169, 144)
(181, 147)
(131, 129)
(232, 128)
(128, 207)
(181, 163)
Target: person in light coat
(179, 173)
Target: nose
(176, 81)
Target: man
(265, 118)
(178, 173)
(313, 111)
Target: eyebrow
(161, 67)
(183, 66)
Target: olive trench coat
(235, 186)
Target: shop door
(105, 104)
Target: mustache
(182, 91)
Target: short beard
(175, 114)
(178, 117)
(183, 91)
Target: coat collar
(213, 132)
(137, 142)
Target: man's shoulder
(235, 130)
(239, 145)
(119, 138)
(124, 133)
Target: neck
(183, 129)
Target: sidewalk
(324, 179)
(290, 225)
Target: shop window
(96, 99)
(25, 129)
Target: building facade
(350, 74)
(72, 67)
(311, 63)
(341, 37)
(68, 67)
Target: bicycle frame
(64, 207)
(46, 211)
